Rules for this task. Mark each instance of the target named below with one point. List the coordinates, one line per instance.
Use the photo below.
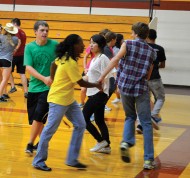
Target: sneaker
(81, 105)
(139, 129)
(107, 109)
(106, 150)
(157, 119)
(116, 100)
(29, 149)
(99, 146)
(155, 122)
(42, 168)
(124, 147)
(78, 165)
(148, 164)
(26, 95)
(35, 147)
(5, 96)
(2, 100)
(12, 90)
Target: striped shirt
(133, 68)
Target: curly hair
(66, 47)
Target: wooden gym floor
(172, 146)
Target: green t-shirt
(40, 58)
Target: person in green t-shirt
(38, 56)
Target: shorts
(5, 63)
(37, 106)
(18, 62)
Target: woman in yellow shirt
(65, 74)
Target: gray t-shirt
(6, 49)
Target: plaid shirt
(133, 68)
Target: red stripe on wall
(165, 5)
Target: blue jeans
(157, 88)
(142, 105)
(56, 113)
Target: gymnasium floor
(172, 146)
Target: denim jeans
(56, 113)
(142, 105)
(157, 89)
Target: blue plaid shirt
(133, 68)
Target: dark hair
(40, 22)
(118, 40)
(66, 47)
(17, 21)
(104, 31)
(141, 29)
(110, 36)
(152, 34)
(100, 40)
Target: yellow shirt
(62, 88)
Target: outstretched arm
(114, 62)
(87, 84)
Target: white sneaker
(99, 146)
(107, 109)
(116, 100)
(106, 150)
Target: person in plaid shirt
(135, 60)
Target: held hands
(85, 71)
(48, 81)
(101, 80)
(99, 86)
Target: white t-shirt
(97, 66)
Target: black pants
(96, 104)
